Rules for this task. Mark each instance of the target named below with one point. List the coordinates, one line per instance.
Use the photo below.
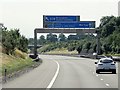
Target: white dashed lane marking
(97, 75)
(107, 84)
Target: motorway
(64, 72)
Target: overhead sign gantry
(64, 24)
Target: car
(94, 54)
(33, 56)
(100, 56)
(105, 65)
(109, 56)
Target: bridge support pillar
(35, 42)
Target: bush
(12, 39)
(20, 54)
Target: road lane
(80, 73)
(74, 72)
(40, 77)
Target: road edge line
(55, 76)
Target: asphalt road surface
(64, 72)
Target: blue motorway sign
(50, 18)
(80, 24)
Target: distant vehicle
(109, 56)
(82, 55)
(100, 56)
(94, 54)
(33, 56)
(106, 65)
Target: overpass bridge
(66, 30)
(32, 46)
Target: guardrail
(116, 58)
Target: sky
(27, 15)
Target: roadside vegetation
(12, 39)
(13, 52)
(14, 63)
(61, 51)
(110, 35)
(109, 29)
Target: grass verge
(15, 63)
(62, 51)
(113, 55)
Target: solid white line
(55, 76)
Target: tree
(87, 46)
(12, 39)
(107, 25)
(106, 48)
(7, 43)
(110, 29)
(52, 37)
(31, 41)
(42, 40)
(79, 48)
(94, 47)
(118, 21)
(71, 48)
(104, 20)
(62, 37)
(23, 46)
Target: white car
(105, 65)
